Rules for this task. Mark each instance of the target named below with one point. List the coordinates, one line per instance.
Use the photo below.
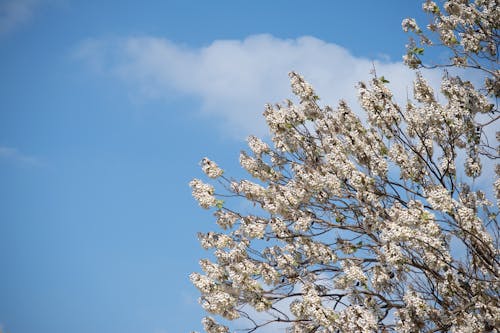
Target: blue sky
(106, 108)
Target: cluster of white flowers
(382, 112)
(211, 326)
(410, 24)
(257, 168)
(353, 275)
(226, 219)
(440, 198)
(203, 193)
(380, 279)
(356, 318)
(215, 240)
(496, 187)
(468, 323)
(410, 163)
(258, 146)
(468, 28)
(303, 223)
(317, 252)
(203, 283)
(416, 230)
(412, 317)
(368, 226)
(415, 304)
(311, 308)
(473, 167)
(250, 190)
(254, 227)
(300, 87)
(210, 168)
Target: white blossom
(203, 193)
(211, 326)
(410, 24)
(210, 168)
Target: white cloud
(233, 79)
(12, 154)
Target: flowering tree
(376, 225)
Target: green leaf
(384, 80)
(219, 203)
(418, 50)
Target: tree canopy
(374, 223)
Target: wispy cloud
(14, 13)
(233, 79)
(14, 155)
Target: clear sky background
(106, 108)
